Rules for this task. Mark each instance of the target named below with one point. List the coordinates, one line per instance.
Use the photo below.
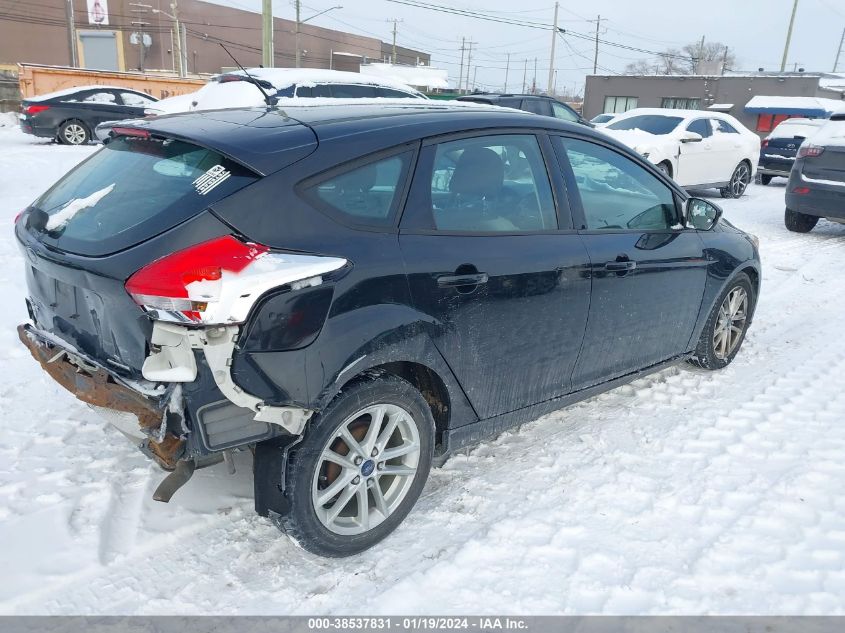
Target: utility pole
(267, 52)
(839, 51)
(524, 75)
(552, 55)
(177, 48)
(469, 60)
(461, 74)
(507, 69)
(71, 34)
(141, 10)
(596, 54)
(395, 23)
(296, 36)
(725, 60)
(700, 56)
(534, 79)
(788, 35)
(474, 75)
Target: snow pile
(8, 119)
(69, 210)
(683, 492)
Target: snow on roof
(75, 89)
(833, 81)
(424, 76)
(676, 112)
(832, 133)
(721, 106)
(796, 127)
(284, 77)
(810, 106)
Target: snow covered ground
(685, 492)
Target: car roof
(284, 77)
(66, 92)
(676, 112)
(254, 136)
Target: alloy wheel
(74, 133)
(739, 181)
(366, 469)
(730, 323)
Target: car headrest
(479, 172)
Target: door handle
(620, 265)
(469, 279)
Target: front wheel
(799, 222)
(726, 326)
(738, 182)
(360, 468)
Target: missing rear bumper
(97, 386)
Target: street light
(299, 22)
(177, 43)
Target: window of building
(614, 105)
(491, 184)
(680, 103)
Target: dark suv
(537, 104)
(355, 292)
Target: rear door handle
(616, 266)
(471, 279)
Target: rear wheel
(726, 326)
(360, 468)
(799, 222)
(765, 180)
(73, 133)
(738, 182)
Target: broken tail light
(218, 281)
(187, 281)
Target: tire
(665, 168)
(765, 180)
(732, 310)
(799, 222)
(738, 182)
(310, 475)
(73, 132)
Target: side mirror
(691, 137)
(701, 214)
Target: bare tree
(686, 61)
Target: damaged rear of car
(137, 290)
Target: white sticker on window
(210, 179)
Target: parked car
(538, 104)
(70, 116)
(288, 86)
(603, 119)
(816, 187)
(351, 291)
(699, 149)
(285, 86)
(779, 149)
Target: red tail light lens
(130, 131)
(809, 150)
(188, 280)
(764, 143)
(801, 191)
(35, 109)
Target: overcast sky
(755, 30)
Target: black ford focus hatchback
(354, 292)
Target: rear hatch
(141, 197)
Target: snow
(683, 492)
(796, 127)
(424, 76)
(67, 212)
(795, 103)
(70, 91)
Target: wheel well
(429, 384)
(754, 276)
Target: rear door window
(135, 99)
(130, 190)
(537, 106)
(390, 93)
(352, 91)
(365, 194)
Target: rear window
(132, 189)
